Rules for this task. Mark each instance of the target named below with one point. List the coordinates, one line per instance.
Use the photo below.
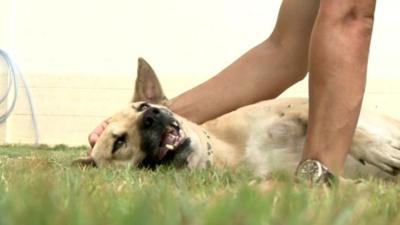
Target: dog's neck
(206, 149)
(221, 154)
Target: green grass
(38, 186)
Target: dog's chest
(266, 136)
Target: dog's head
(144, 134)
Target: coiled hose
(12, 73)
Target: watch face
(309, 170)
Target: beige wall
(68, 107)
(3, 105)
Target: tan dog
(267, 136)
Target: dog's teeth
(175, 124)
(170, 147)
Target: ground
(39, 186)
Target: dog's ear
(84, 162)
(147, 86)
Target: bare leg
(262, 73)
(338, 63)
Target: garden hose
(12, 73)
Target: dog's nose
(151, 115)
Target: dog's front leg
(380, 151)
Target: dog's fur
(267, 136)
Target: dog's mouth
(171, 139)
(163, 139)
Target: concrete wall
(69, 107)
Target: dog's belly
(269, 136)
(275, 146)
(272, 118)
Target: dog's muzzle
(161, 133)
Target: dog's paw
(386, 157)
(395, 144)
(84, 162)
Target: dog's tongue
(169, 139)
(162, 152)
(167, 144)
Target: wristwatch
(314, 172)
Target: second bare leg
(338, 63)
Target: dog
(266, 137)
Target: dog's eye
(119, 143)
(143, 107)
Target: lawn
(38, 186)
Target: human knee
(357, 15)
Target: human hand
(96, 133)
